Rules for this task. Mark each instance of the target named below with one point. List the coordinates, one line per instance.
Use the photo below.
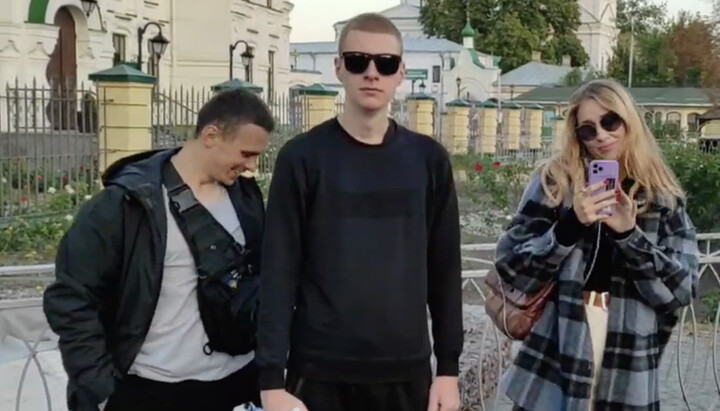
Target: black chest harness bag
(227, 289)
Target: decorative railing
(690, 367)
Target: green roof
(510, 105)
(420, 96)
(122, 73)
(476, 58)
(644, 96)
(317, 89)
(458, 103)
(235, 84)
(468, 31)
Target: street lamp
(422, 87)
(88, 6)
(158, 44)
(246, 57)
(458, 81)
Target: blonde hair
(640, 156)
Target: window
(119, 46)
(271, 73)
(249, 67)
(152, 61)
(436, 74)
(692, 120)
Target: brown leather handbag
(513, 312)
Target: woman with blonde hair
(620, 279)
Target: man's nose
(371, 73)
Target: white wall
(198, 53)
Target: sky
(312, 20)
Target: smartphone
(607, 170)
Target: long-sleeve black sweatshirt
(359, 241)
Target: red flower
(478, 167)
(65, 179)
(39, 177)
(23, 199)
(496, 164)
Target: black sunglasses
(357, 63)
(610, 122)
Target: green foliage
(576, 76)
(41, 213)
(492, 184)
(699, 174)
(512, 29)
(681, 52)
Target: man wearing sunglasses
(362, 237)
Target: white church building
(63, 41)
(447, 70)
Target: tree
(693, 43)
(512, 29)
(645, 21)
(578, 76)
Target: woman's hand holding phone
(587, 206)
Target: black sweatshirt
(360, 239)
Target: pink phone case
(604, 170)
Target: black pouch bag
(228, 286)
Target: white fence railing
(694, 384)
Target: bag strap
(200, 229)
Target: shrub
(699, 175)
(492, 184)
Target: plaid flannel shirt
(654, 275)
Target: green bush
(492, 184)
(699, 175)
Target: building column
(455, 134)
(558, 127)
(535, 122)
(511, 126)
(318, 104)
(488, 128)
(420, 114)
(124, 108)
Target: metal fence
(690, 366)
(48, 147)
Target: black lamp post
(458, 81)
(422, 87)
(88, 6)
(158, 44)
(246, 56)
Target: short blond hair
(371, 23)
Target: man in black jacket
(362, 237)
(125, 300)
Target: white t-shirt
(173, 348)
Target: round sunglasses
(609, 122)
(357, 63)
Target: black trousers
(336, 396)
(140, 394)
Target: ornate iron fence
(48, 146)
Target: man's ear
(209, 135)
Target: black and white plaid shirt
(654, 275)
